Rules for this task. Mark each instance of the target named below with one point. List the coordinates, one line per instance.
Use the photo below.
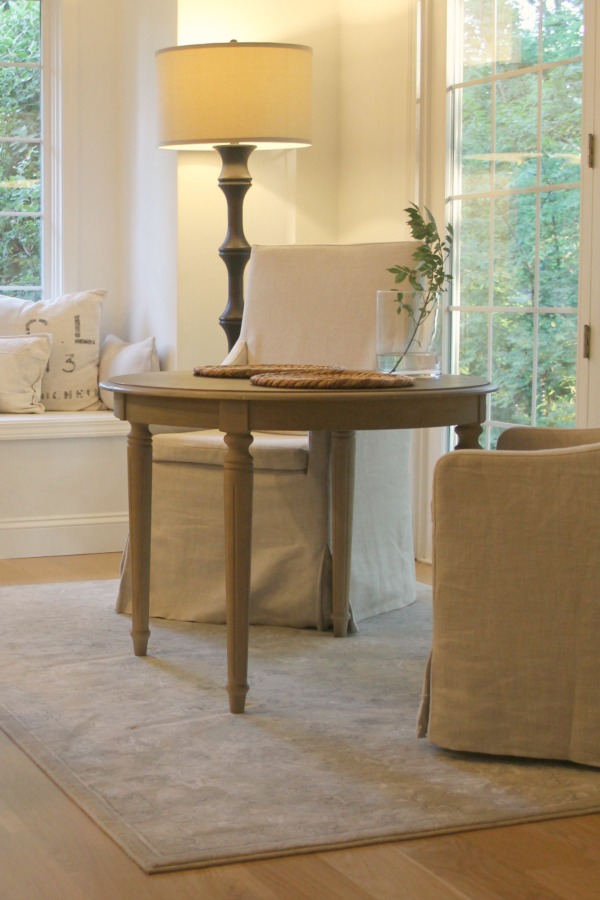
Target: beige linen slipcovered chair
(514, 668)
(311, 304)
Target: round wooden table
(237, 408)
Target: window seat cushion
(51, 424)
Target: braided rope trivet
(344, 379)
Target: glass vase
(408, 337)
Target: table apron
(422, 411)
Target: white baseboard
(63, 535)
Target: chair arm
(522, 438)
(518, 515)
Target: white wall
(148, 182)
(119, 190)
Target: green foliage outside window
(20, 148)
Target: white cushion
(117, 357)
(70, 381)
(22, 363)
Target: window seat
(63, 483)
(42, 426)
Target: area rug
(325, 757)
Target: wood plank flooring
(50, 850)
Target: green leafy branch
(429, 274)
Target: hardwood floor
(50, 850)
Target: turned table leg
(468, 436)
(238, 481)
(343, 447)
(139, 468)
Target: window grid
(490, 311)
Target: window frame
(457, 195)
(58, 95)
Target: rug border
(93, 805)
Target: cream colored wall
(378, 111)
(350, 185)
(148, 183)
(119, 191)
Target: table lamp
(234, 98)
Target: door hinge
(587, 334)
(591, 147)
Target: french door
(516, 112)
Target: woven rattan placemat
(259, 369)
(289, 375)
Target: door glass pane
(514, 248)
(562, 29)
(517, 35)
(561, 124)
(557, 340)
(512, 367)
(474, 352)
(476, 138)
(477, 35)
(559, 248)
(516, 132)
(472, 244)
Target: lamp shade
(238, 93)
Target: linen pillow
(22, 363)
(117, 357)
(70, 381)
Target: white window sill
(47, 425)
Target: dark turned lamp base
(234, 180)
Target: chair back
(316, 303)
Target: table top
(234, 405)
(183, 383)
